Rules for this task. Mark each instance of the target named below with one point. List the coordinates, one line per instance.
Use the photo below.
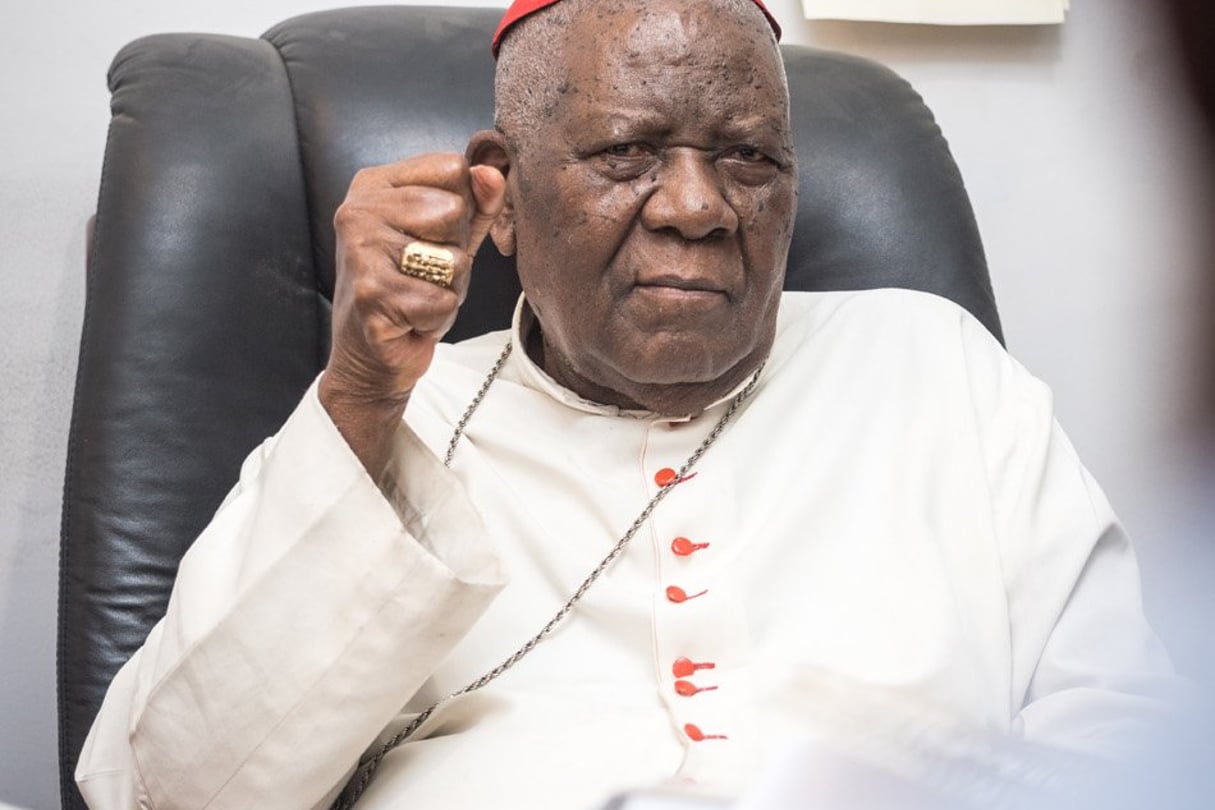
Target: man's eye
(625, 161)
(749, 165)
(748, 154)
(624, 150)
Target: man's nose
(689, 199)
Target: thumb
(489, 193)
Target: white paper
(940, 12)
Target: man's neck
(678, 400)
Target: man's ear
(488, 148)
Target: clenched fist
(386, 324)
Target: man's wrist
(366, 423)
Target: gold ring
(429, 262)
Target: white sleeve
(302, 619)
(1088, 672)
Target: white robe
(893, 505)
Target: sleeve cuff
(312, 601)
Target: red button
(696, 735)
(677, 594)
(685, 547)
(683, 667)
(687, 688)
(666, 477)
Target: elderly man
(683, 556)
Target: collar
(536, 378)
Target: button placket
(683, 547)
(695, 622)
(680, 546)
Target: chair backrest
(211, 269)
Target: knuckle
(441, 217)
(349, 215)
(366, 288)
(450, 209)
(364, 177)
(451, 164)
(380, 330)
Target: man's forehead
(521, 9)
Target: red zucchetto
(522, 8)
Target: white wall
(1076, 159)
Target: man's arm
(301, 621)
(1088, 673)
(345, 564)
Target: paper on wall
(940, 12)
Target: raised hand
(386, 323)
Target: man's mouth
(676, 285)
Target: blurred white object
(660, 800)
(868, 747)
(872, 747)
(940, 12)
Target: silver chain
(363, 774)
(476, 403)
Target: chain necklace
(363, 774)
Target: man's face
(653, 212)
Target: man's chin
(677, 358)
(681, 379)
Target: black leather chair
(211, 269)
